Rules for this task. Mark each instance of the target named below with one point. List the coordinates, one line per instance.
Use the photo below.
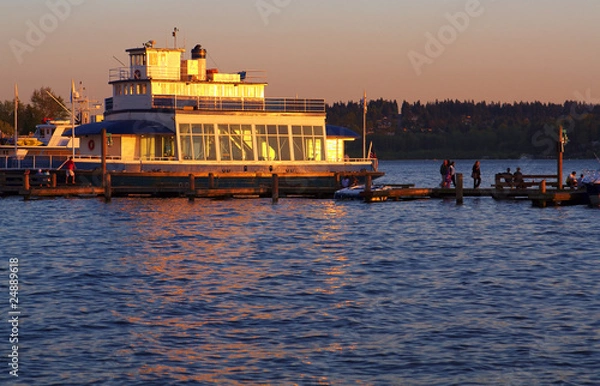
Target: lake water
(308, 292)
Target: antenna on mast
(117, 59)
(175, 30)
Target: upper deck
(159, 79)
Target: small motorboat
(592, 186)
(355, 192)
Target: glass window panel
(236, 142)
(186, 147)
(307, 130)
(284, 149)
(296, 130)
(283, 130)
(248, 149)
(184, 128)
(198, 147)
(197, 128)
(225, 142)
(298, 149)
(274, 149)
(210, 148)
(319, 150)
(209, 129)
(318, 130)
(272, 130)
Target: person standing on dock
(70, 170)
(444, 172)
(452, 172)
(476, 175)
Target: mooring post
(543, 186)
(192, 192)
(211, 180)
(53, 180)
(459, 188)
(275, 188)
(107, 187)
(26, 185)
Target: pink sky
(503, 50)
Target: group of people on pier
(448, 173)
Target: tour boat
(172, 114)
(46, 148)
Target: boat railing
(285, 105)
(149, 72)
(31, 162)
(119, 73)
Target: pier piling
(192, 192)
(459, 189)
(275, 188)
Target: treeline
(29, 114)
(468, 129)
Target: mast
(364, 147)
(16, 135)
(73, 96)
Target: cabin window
(138, 60)
(197, 142)
(148, 145)
(225, 141)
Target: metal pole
(16, 135)
(560, 157)
(364, 124)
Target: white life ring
(91, 145)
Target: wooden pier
(536, 192)
(162, 184)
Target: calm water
(309, 292)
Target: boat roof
(128, 126)
(340, 132)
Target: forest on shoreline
(454, 129)
(442, 129)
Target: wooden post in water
(26, 185)
(53, 180)
(543, 186)
(103, 155)
(192, 192)
(459, 189)
(107, 187)
(275, 188)
(211, 180)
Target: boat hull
(593, 191)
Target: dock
(163, 184)
(531, 190)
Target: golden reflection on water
(184, 265)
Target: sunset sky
(500, 51)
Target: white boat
(46, 148)
(172, 114)
(355, 192)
